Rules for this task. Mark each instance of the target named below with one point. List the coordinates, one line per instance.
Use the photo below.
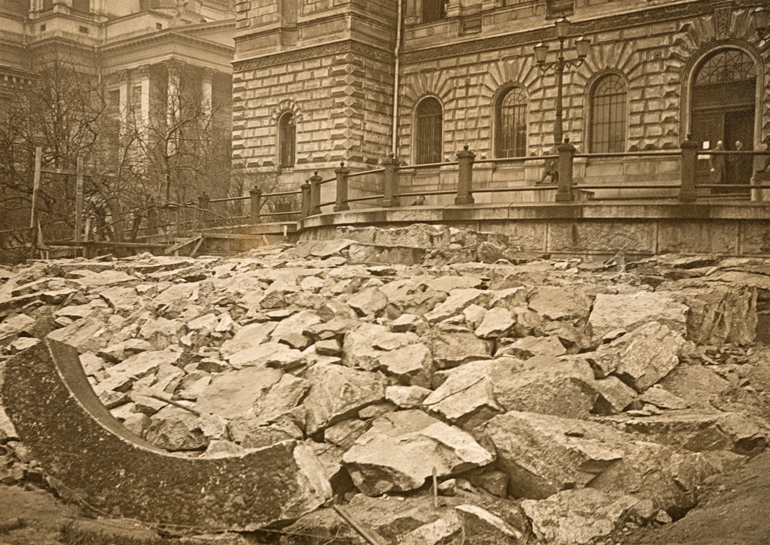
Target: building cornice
(579, 27)
(305, 53)
(169, 35)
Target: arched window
(429, 137)
(512, 124)
(608, 115)
(287, 138)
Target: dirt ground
(734, 509)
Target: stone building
(317, 82)
(152, 67)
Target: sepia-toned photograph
(384, 272)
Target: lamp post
(541, 51)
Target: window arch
(287, 140)
(608, 115)
(511, 124)
(429, 133)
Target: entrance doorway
(723, 110)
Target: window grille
(429, 131)
(608, 115)
(512, 124)
(287, 138)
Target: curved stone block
(76, 440)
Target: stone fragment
(484, 528)
(294, 325)
(344, 434)
(575, 339)
(649, 353)
(721, 314)
(557, 303)
(495, 482)
(410, 365)
(250, 430)
(402, 449)
(137, 423)
(88, 335)
(249, 336)
(236, 392)
(453, 345)
(446, 530)
(474, 315)
(577, 517)
(533, 346)
(269, 354)
(510, 298)
(629, 311)
(447, 487)
(120, 299)
(614, 395)
(11, 327)
(406, 397)
(369, 302)
(496, 323)
(176, 429)
(284, 396)
(457, 301)
(22, 343)
(393, 341)
(221, 448)
(409, 323)
(358, 347)
(338, 392)
(161, 332)
(663, 399)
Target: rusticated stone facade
(338, 78)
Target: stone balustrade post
(256, 201)
(305, 208)
(342, 188)
(566, 157)
(689, 160)
(315, 194)
(391, 182)
(465, 176)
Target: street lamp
(541, 51)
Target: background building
(144, 97)
(319, 82)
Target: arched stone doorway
(723, 108)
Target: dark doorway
(723, 109)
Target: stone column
(144, 78)
(342, 188)
(123, 100)
(465, 177)
(207, 91)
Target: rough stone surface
(401, 450)
(628, 311)
(577, 516)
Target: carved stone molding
(723, 13)
(336, 48)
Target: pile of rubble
(453, 390)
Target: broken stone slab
(247, 337)
(402, 449)
(484, 528)
(697, 432)
(467, 396)
(88, 335)
(648, 354)
(233, 393)
(453, 345)
(338, 392)
(411, 365)
(447, 530)
(282, 397)
(175, 429)
(529, 347)
(628, 311)
(11, 327)
(560, 303)
(406, 397)
(721, 314)
(495, 323)
(250, 431)
(557, 386)
(269, 354)
(116, 471)
(577, 517)
(368, 302)
(358, 346)
(663, 399)
(614, 396)
(544, 454)
(458, 301)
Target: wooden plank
(179, 245)
(197, 247)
